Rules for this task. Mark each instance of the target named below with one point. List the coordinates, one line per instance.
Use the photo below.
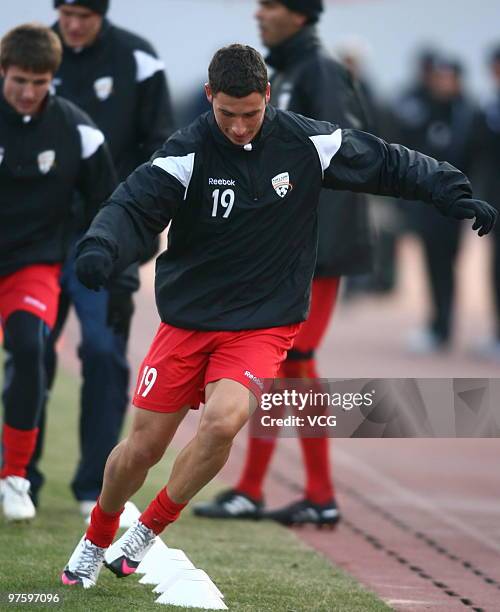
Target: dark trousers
(104, 391)
(440, 239)
(496, 276)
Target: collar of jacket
(294, 48)
(99, 42)
(267, 127)
(15, 118)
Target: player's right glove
(484, 214)
(94, 265)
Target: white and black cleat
(230, 504)
(84, 565)
(123, 557)
(305, 512)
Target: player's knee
(222, 425)
(27, 352)
(143, 454)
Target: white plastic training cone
(190, 573)
(194, 592)
(170, 572)
(155, 575)
(129, 515)
(158, 555)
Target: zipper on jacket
(251, 174)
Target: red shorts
(34, 289)
(181, 362)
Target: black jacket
(307, 80)
(242, 244)
(488, 152)
(444, 129)
(120, 82)
(43, 160)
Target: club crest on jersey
(103, 87)
(281, 184)
(2, 153)
(46, 160)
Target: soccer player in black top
(241, 187)
(306, 80)
(49, 150)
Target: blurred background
(392, 32)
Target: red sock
(259, 454)
(18, 446)
(319, 485)
(103, 526)
(161, 512)
(299, 368)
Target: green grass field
(258, 566)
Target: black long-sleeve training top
(43, 160)
(243, 240)
(120, 82)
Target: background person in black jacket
(441, 121)
(49, 149)
(489, 155)
(241, 188)
(306, 80)
(116, 77)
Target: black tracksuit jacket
(120, 82)
(44, 159)
(243, 239)
(307, 80)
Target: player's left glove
(484, 214)
(94, 265)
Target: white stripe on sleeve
(147, 65)
(327, 146)
(91, 139)
(179, 167)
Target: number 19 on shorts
(148, 379)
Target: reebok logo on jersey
(281, 184)
(222, 182)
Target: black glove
(120, 311)
(484, 214)
(94, 265)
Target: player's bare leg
(129, 462)
(228, 408)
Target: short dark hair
(32, 47)
(238, 71)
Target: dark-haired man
(49, 149)
(306, 80)
(116, 77)
(241, 187)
